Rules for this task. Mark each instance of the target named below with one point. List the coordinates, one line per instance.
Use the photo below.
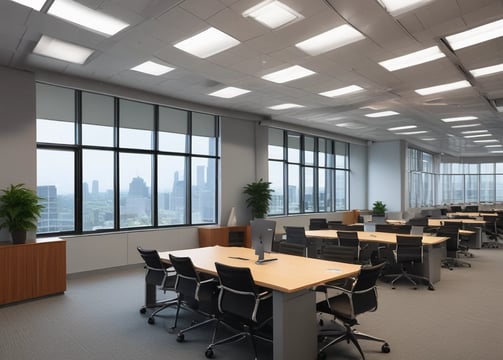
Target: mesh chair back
(292, 249)
(296, 235)
(409, 249)
(452, 233)
(347, 254)
(239, 294)
(364, 292)
(348, 238)
(156, 269)
(318, 224)
(187, 280)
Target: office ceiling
(156, 25)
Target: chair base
(159, 306)
(348, 334)
(412, 278)
(451, 263)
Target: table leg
(295, 328)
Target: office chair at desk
(194, 293)
(451, 231)
(243, 306)
(358, 297)
(157, 274)
(409, 252)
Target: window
(135, 164)
(421, 178)
(308, 174)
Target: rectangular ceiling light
(229, 92)
(413, 59)
(273, 14)
(285, 106)
(398, 7)
(382, 114)
(342, 91)
(207, 43)
(62, 50)
(493, 146)
(496, 151)
(486, 141)
(488, 70)
(444, 87)
(291, 73)
(476, 35)
(34, 4)
(474, 131)
(152, 68)
(477, 136)
(412, 132)
(406, 127)
(330, 40)
(464, 126)
(459, 118)
(88, 18)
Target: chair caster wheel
(385, 348)
(143, 310)
(209, 353)
(151, 320)
(180, 338)
(431, 288)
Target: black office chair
(296, 235)
(157, 274)
(195, 293)
(347, 254)
(292, 249)
(243, 306)
(491, 231)
(471, 208)
(451, 231)
(409, 252)
(350, 238)
(358, 297)
(456, 208)
(318, 224)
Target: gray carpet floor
(97, 318)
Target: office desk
(291, 279)
(472, 214)
(433, 248)
(438, 222)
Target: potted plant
(259, 197)
(19, 211)
(379, 208)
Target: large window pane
(341, 190)
(308, 150)
(204, 133)
(276, 144)
(203, 190)
(293, 148)
(55, 184)
(309, 189)
(293, 189)
(135, 174)
(341, 155)
(97, 119)
(487, 188)
(97, 190)
(136, 122)
(172, 190)
(173, 129)
(276, 178)
(55, 114)
(471, 188)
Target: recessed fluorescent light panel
(464, 126)
(207, 43)
(330, 40)
(412, 132)
(496, 151)
(398, 7)
(406, 127)
(291, 73)
(488, 70)
(412, 59)
(61, 50)
(485, 141)
(429, 139)
(273, 14)
(476, 136)
(474, 131)
(342, 91)
(34, 4)
(382, 114)
(444, 87)
(79, 14)
(476, 35)
(152, 68)
(229, 92)
(493, 146)
(285, 106)
(459, 118)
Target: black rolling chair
(491, 231)
(244, 305)
(194, 293)
(347, 254)
(296, 235)
(350, 238)
(409, 251)
(456, 208)
(292, 249)
(358, 297)
(318, 224)
(451, 231)
(157, 274)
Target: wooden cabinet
(225, 236)
(32, 270)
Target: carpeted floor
(98, 318)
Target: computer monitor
(262, 235)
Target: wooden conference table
(291, 279)
(433, 247)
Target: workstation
(127, 159)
